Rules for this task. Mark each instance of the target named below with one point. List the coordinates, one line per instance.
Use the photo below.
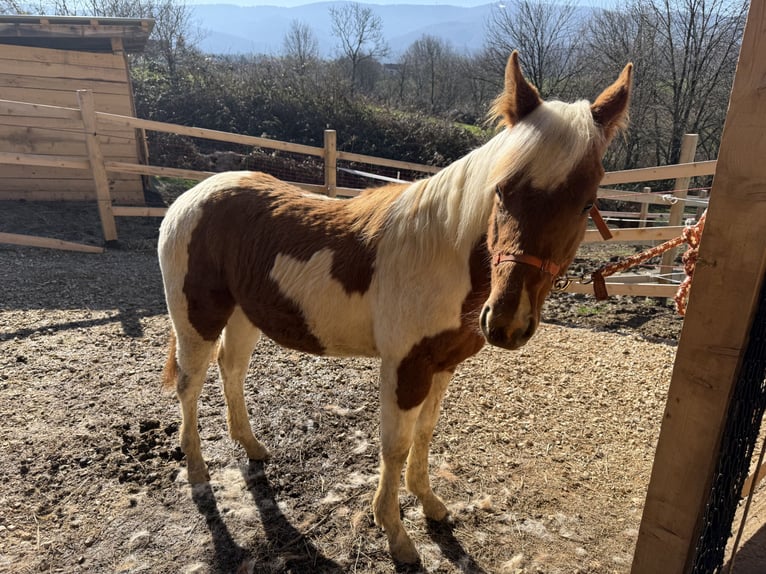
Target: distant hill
(231, 29)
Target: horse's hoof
(261, 455)
(435, 509)
(404, 552)
(256, 450)
(198, 476)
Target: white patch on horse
(341, 322)
(525, 311)
(418, 300)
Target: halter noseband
(544, 265)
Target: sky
(292, 3)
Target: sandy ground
(542, 455)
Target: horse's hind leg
(193, 356)
(237, 344)
(416, 476)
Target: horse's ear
(519, 97)
(610, 110)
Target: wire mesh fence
(185, 152)
(738, 442)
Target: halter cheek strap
(544, 265)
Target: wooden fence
(94, 122)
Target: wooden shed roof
(82, 33)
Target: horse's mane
(455, 204)
(547, 145)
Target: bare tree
(481, 87)
(300, 44)
(174, 31)
(12, 7)
(360, 35)
(685, 54)
(547, 36)
(697, 53)
(425, 58)
(614, 38)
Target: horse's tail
(170, 372)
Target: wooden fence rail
(93, 122)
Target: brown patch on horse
(245, 227)
(443, 352)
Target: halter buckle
(561, 283)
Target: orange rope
(691, 235)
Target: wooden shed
(45, 60)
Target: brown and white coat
(402, 272)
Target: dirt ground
(543, 455)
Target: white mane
(455, 204)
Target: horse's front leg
(416, 477)
(397, 426)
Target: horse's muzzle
(509, 334)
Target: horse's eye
(498, 193)
(587, 208)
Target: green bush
(265, 97)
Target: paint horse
(419, 274)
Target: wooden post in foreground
(724, 295)
(330, 162)
(97, 168)
(688, 151)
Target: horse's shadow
(442, 533)
(287, 543)
(228, 554)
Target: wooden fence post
(688, 150)
(644, 213)
(97, 168)
(330, 162)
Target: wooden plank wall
(53, 77)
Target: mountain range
(236, 29)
